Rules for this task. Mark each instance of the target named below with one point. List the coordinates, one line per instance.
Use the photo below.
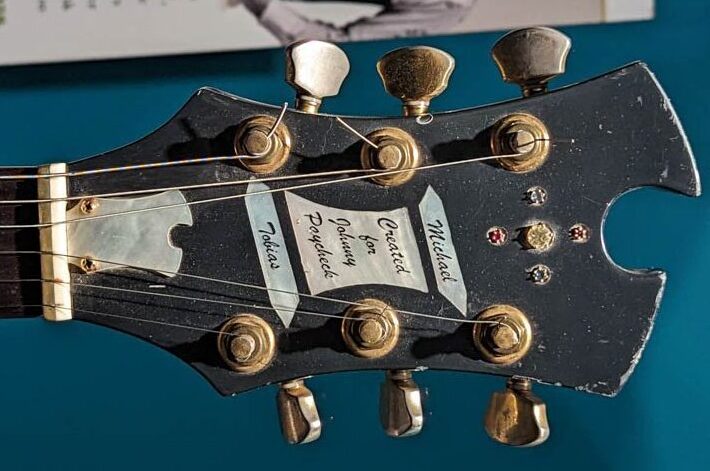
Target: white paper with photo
(33, 31)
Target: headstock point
(415, 75)
(531, 57)
(315, 69)
(517, 417)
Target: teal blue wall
(79, 397)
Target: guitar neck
(18, 298)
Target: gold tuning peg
(400, 404)
(415, 75)
(516, 416)
(316, 69)
(531, 57)
(300, 422)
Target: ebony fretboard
(15, 297)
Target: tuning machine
(315, 69)
(531, 57)
(516, 416)
(300, 421)
(401, 412)
(416, 75)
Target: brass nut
(370, 328)
(538, 236)
(506, 338)
(268, 154)
(396, 151)
(246, 343)
(524, 134)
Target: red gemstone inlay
(496, 236)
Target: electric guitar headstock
(263, 245)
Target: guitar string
(213, 280)
(121, 316)
(201, 278)
(208, 159)
(274, 308)
(144, 166)
(274, 190)
(197, 186)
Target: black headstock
(332, 262)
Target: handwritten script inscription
(341, 247)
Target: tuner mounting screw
(497, 236)
(540, 274)
(524, 137)
(516, 416)
(397, 155)
(579, 233)
(370, 328)
(89, 265)
(262, 154)
(538, 236)
(415, 75)
(506, 335)
(536, 196)
(88, 205)
(316, 69)
(246, 343)
(531, 57)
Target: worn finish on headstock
(590, 320)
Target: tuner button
(516, 416)
(531, 57)
(316, 69)
(400, 404)
(300, 422)
(415, 75)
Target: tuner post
(506, 336)
(396, 155)
(517, 417)
(315, 69)
(246, 344)
(415, 75)
(264, 151)
(370, 328)
(531, 57)
(524, 139)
